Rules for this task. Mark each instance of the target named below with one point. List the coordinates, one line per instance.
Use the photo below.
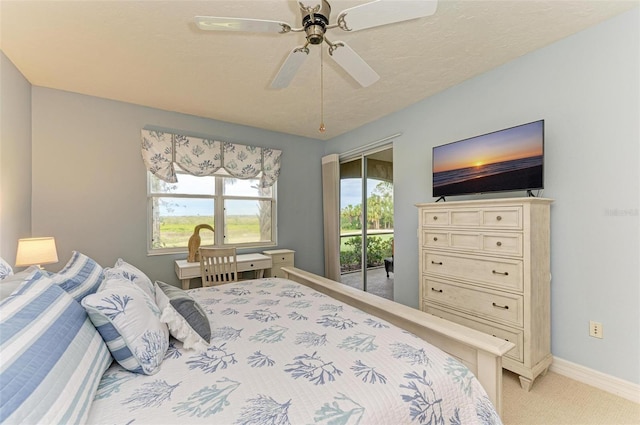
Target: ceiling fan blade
(289, 68)
(217, 23)
(383, 12)
(351, 62)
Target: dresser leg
(185, 283)
(526, 383)
(544, 372)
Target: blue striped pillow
(52, 356)
(80, 277)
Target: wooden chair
(218, 266)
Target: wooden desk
(246, 262)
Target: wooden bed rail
(480, 352)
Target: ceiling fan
(316, 22)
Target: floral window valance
(161, 151)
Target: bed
(299, 350)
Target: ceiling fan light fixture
(315, 21)
(315, 34)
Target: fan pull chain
(322, 128)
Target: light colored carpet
(557, 400)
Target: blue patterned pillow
(5, 269)
(52, 356)
(124, 270)
(80, 277)
(129, 322)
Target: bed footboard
(480, 352)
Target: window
(242, 213)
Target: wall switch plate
(595, 329)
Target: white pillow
(129, 322)
(5, 269)
(124, 270)
(186, 319)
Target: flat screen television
(505, 160)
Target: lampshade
(36, 251)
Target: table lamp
(36, 251)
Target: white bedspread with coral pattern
(282, 353)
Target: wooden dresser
(485, 264)
(280, 258)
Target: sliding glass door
(366, 222)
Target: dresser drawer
(435, 218)
(504, 218)
(491, 305)
(500, 273)
(260, 264)
(435, 239)
(502, 243)
(492, 243)
(507, 217)
(282, 259)
(276, 271)
(512, 335)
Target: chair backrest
(218, 266)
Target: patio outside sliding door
(366, 221)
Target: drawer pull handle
(250, 265)
(435, 217)
(435, 239)
(502, 273)
(436, 290)
(499, 243)
(504, 307)
(499, 337)
(437, 263)
(499, 218)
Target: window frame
(219, 198)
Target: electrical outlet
(595, 329)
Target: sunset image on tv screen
(510, 159)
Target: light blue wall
(15, 159)
(89, 181)
(587, 89)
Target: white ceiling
(150, 53)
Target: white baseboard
(608, 383)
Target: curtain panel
(331, 215)
(162, 151)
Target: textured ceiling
(150, 53)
